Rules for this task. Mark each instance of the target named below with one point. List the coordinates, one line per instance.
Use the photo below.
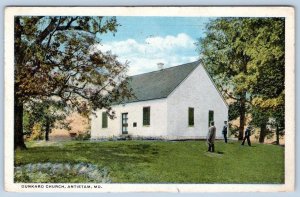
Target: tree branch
(46, 31)
(51, 34)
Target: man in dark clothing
(211, 137)
(224, 131)
(247, 136)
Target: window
(124, 123)
(104, 120)
(191, 116)
(210, 116)
(146, 116)
(134, 124)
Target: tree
(260, 118)
(267, 51)
(46, 113)
(278, 122)
(233, 114)
(245, 56)
(55, 58)
(266, 119)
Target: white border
(287, 12)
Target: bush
(61, 173)
(234, 130)
(83, 136)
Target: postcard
(149, 99)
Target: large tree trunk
(18, 106)
(277, 135)
(18, 125)
(263, 129)
(47, 130)
(242, 117)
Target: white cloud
(144, 56)
(170, 42)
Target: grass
(166, 162)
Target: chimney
(160, 66)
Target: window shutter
(210, 116)
(104, 120)
(191, 116)
(146, 116)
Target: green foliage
(278, 119)
(56, 58)
(36, 132)
(149, 161)
(274, 119)
(260, 116)
(27, 123)
(233, 112)
(44, 114)
(245, 57)
(269, 61)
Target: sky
(147, 41)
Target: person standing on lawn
(247, 136)
(211, 137)
(224, 131)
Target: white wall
(195, 91)
(158, 120)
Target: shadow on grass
(248, 146)
(230, 143)
(214, 154)
(95, 152)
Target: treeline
(246, 59)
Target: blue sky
(146, 41)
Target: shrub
(83, 136)
(234, 130)
(61, 173)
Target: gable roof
(159, 84)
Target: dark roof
(159, 84)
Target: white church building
(171, 103)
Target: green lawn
(166, 162)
